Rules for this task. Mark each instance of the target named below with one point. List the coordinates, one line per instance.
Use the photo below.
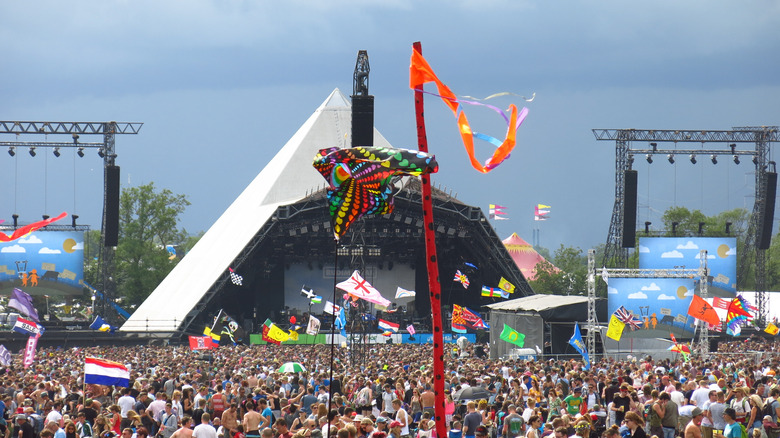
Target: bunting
(497, 213)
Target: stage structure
(608, 273)
(277, 234)
(622, 228)
(106, 150)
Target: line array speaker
(111, 225)
(769, 210)
(629, 208)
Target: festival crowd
(386, 391)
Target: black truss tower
(721, 143)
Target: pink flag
(720, 303)
(411, 330)
(29, 351)
(360, 288)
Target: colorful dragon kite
(360, 179)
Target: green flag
(512, 336)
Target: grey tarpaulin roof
(537, 303)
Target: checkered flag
(235, 278)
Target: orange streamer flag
(420, 72)
(27, 229)
(702, 310)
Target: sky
(222, 85)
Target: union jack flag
(627, 318)
(461, 277)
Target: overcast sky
(221, 85)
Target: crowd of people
(387, 392)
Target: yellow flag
(293, 335)
(506, 285)
(771, 329)
(615, 329)
(277, 334)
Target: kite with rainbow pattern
(360, 179)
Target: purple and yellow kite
(360, 179)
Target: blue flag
(341, 322)
(102, 325)
(579, 345)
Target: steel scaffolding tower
(106, 150)
(761, 137)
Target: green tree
(565, 274)
(148, 221)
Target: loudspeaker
(769, 210)
(111, 225)
(362, 121)
(629, 208)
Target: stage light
(73, 219)
(649, 158)
(670, 157)
(647, 227)
(101, 153)
(701, 228)
(755, 160)
(32, 151)
(674, 227)
(714, 159)
(75, 138)
(56, 152)
(736, 159)
(11, 151)
(630, 160)
(45, 216)
(16, 219)
(693, 159)
(81, 152)
(728, 228)
(655, 146)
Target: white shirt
(125, 404)
(204, 431)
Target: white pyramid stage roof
(286, 179)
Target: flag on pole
(461, 277)
(27, 327)
(235, 278)
(22, 302)
(388, 326)
(29, 351)
(5, 356)
(497, 213)
(504, 284)
(105, 372)
(273, 334)
(201, 343)
(579, 345)
(331, 309)
(403, 293)
(357, 287)
(101, 325)
(314, 326)
(341, 322)
(458, 322)
(700, 309)
(720, 303)
(410, 329)
(616, 327)
(605, 275)
(541, 211)
(494, 292)
(771, 329)
(627, 318)
(512, 336)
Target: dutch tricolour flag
(104, 372)
(388, 326)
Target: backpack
(769, 409)
(743, 430)
(37, 424)
(647, 411)
(362, 398)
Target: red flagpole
(433, 268)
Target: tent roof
(537, 303)
(284, 180)
(525, 256)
